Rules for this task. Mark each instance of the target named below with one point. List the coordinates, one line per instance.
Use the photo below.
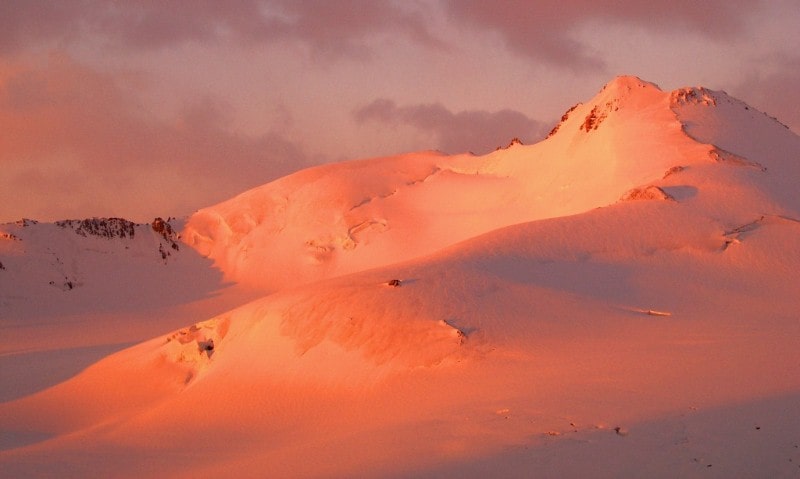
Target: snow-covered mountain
(337, 219)
(619, 300)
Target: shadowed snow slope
(619, 300)
(75, 290)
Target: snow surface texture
(619, 300)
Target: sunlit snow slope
(620, 300)
(345, 217)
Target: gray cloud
(24, 22)
(337, 28)
(541, 30)
(474, 130)
(776, 93)
(80, 136)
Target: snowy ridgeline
(632, 141)
(65, 253)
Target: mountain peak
(624, 138)
(626, 83)
(626, 87)
(620, 92)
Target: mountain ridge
(634, 127)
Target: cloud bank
(543, 30)
(474, 130)
(333, 28)
(76, 142)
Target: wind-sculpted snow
(363, 319)
(194, 346)
(737, 134)
(693, 96)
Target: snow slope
(337, 219)
(41, 257)
(74, 291)
(617, 301)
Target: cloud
(332, 28)
(775, 91)
(473, 130)
(23, 22)
(542, 30)
(76, 142)
(341, 26)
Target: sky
(145, 108)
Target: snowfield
(619, 300)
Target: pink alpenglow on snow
(618, 300)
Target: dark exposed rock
(164, 229)
(514, 141)
(598, 114)
(564, 118)
(101, 227)
(649, 193)
(26, 222)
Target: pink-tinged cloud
(776, 92)
(24, 23)
(336, 28)
(76, 142)
(542, 30)
(474, 130)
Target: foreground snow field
(619, 300)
